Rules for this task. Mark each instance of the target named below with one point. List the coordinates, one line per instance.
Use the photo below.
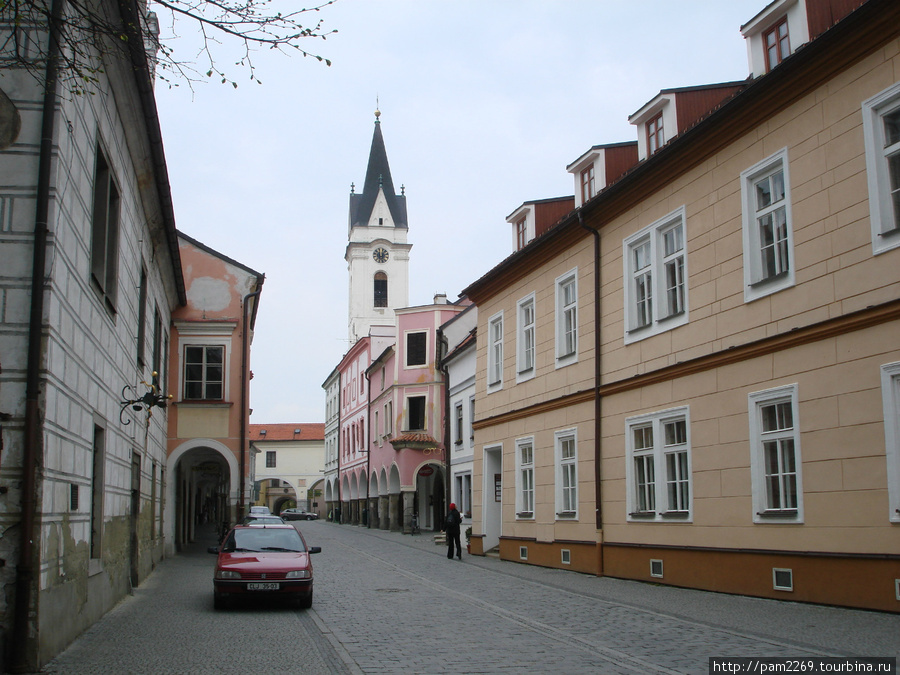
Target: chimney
(440, 298)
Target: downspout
(368, 447)
(22, 637)
(597, 373)
(441, 343)
(245, 391)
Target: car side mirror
(315, 549)
(213, 549)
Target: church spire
(378, 180)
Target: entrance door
(492, 493)
(135, 515)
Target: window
(525, 478)
(567, 318)
(142, 317)
(388, 418)
(881, 131)
(416, 416)
(416, 349)
(656, 278)
(655, 137)
(464, 494)
(471, 418)
(658, 468)
(158, 380)
(767, 234)
(204, 373)
(105, 232)
(890, 394)
(381, 290)
(566, 474)
(775, 447)
(588, 186)
(458, 424)
(777, 44)
(270, 459)
(495, 352)
(521, 234)
(525, 339)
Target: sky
(483, 105)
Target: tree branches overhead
(216, 31)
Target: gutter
(597, 373)
(245, 397)
(22, 636)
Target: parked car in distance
(260, 510)
(260, 519)
(263, 562)
(298, 514)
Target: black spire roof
(378, 175)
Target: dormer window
(777, 43)
(588, 186)
(655, 136)
(521, 234)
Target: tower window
(381, 290)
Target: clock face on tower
(380, 255)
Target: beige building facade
(746, 390)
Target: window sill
(676, 515)
(525, 515)
(779, 514)
(774, 279)
(566, 515)
(670, 317)
(642, 514)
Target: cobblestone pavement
(391, 603)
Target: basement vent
(782, 579)
(656, 568)
(523, 553)
(566, 556)
(73, 497)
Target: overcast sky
(484, 103)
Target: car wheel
(305, 601)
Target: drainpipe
(368, 446)
(22, 637)
(441, 345)
(597, 372)
(245, 391)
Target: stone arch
(202, 483)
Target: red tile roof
(300, 431)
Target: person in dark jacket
(451, 527)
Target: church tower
(377, 253)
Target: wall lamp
(151, 398)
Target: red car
(263, 561)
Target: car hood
(270, 561)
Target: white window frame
(655, 457)
(525, 473)
(458, 423)
(526, 349)
(388, 418)
(495, 353)
(406, 337)
(565, 325)
(884, 216)
(756, 285)
(566, 475)
(463, 485)
(471, 421)
(652, 240)
(890, 395)
(762, 513)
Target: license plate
(262, 587)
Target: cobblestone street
(388, 603)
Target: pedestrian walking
(451, 527)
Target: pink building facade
(406, 450)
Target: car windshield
(264, 539)
(262, 520)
